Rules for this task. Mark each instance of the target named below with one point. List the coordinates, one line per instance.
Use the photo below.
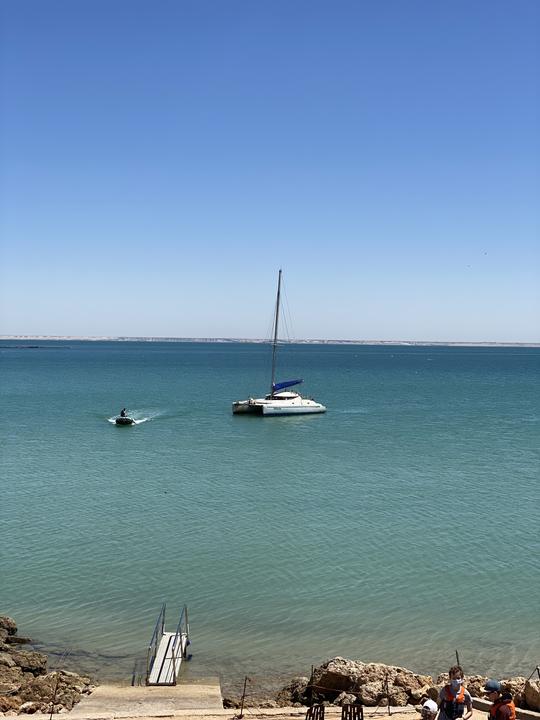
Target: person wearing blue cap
(502, 705)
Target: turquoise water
(399, 527)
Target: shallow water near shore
(399, 527)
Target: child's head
(456, 672)
(429, 710)
(456, 677)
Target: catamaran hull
(247, 407)
(303, 410)
(268, 409)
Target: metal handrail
(154, 642)
(182, 623)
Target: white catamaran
(279, 401)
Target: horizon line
(311, 341)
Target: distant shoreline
(408, 343)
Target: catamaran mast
(274, 342)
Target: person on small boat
(123, 413)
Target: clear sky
(161, 159)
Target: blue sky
(161, 159)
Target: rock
(25, 686)
(41, 688)
(6, 659)
(421, 694)
(295, 692)
(474, 684)
(29, 707)
(16, 640)
(8, 703)
(11, 679)
(8, 624)
(345, 699)
(70, 674)
(398, 696)
(371, 682)
(372, 693)
(335, 676)
(531, 694)
(64, 691)
(30, 661)
(409, 681)
(516, 687)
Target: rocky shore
(340, 681)
(27, 687)
(25, 684)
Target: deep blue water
(399, 527)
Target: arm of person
(468, 706)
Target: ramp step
(171, 650)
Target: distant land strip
(422, 343)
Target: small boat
(279, 401)
(124, 420)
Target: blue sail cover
(287, 383)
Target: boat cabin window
(281, 396)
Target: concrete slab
(111, 701)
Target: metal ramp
(167, 650)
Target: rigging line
(289, 327)
(270, 327)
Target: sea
(402, 526)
